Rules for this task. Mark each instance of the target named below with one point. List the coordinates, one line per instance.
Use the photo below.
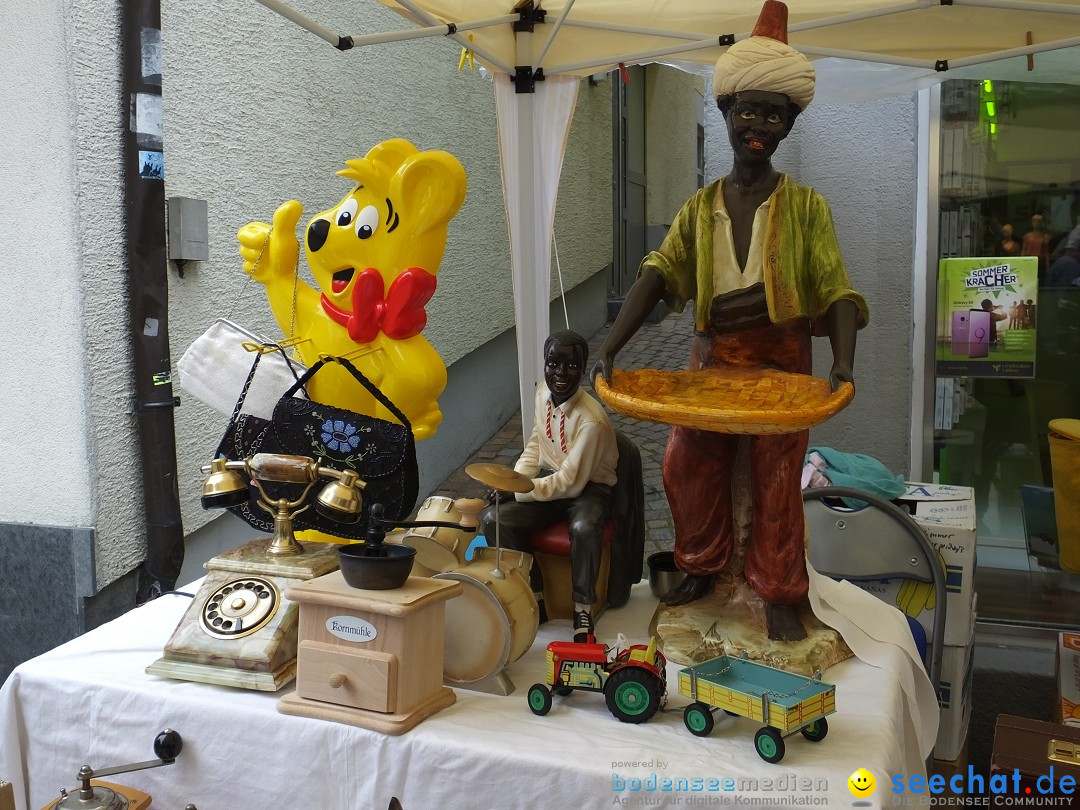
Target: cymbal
(499, 477)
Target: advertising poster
(986, 317)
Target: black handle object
(360, 378)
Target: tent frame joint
(344, 43)
(726, 39)
(529, 14)
(525, 78)
(941, 65)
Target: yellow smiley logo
(861, 783)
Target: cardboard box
(1068, 680)
(951, 767)
(947, 515)
(957, 667)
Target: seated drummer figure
(759, 256)
(570, 457)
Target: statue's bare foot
(691, 589)
(783, 623)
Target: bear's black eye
(367, 222)
(346, 211)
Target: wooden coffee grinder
(371, 644)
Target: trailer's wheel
(816, 731)
(562, 690)
(698, 719)
(539, 699)
(633, 694)
(769, 744)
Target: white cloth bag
(215, 367)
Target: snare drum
(494, 620)
(438, 548)
(397, 537)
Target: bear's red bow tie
(398, 315)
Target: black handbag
(382, 453)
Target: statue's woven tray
(753, 401)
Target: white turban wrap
(765, 64)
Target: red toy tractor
(634, 682)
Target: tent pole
(1049, 8)
(304, 22)
(1023, 50)
(859, 16)
(460, 39)
(926, 64)
(633, 29)
(441, 30)
(636, 58)
(792, 27)
(531, 307)
(554, 30)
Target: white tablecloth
(90, 702)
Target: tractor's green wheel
(633, 694)
(539, 699)
(769, 744)
(698, 719)
(816, 731)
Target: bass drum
(494, 620)
(439, 548)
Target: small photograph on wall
(151, 165)
(987, 311)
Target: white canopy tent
(538, 53)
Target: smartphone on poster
(979, 333)
(959, 336)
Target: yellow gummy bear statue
(373, 256)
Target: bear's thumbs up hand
(271, 251)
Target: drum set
(495, 619)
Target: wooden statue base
(731, 620)
(384, 722)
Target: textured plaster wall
(58, 228)
(673, 102)
(861, 157)
(258, 111)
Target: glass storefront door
(1009, 188)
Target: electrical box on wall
(188, 230)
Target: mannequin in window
(1008, 246)
(759, 256)
(1036, 242)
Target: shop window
(1009, 354)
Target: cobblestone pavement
(665, 345)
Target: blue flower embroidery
(339, 435)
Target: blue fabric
(860, 472)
